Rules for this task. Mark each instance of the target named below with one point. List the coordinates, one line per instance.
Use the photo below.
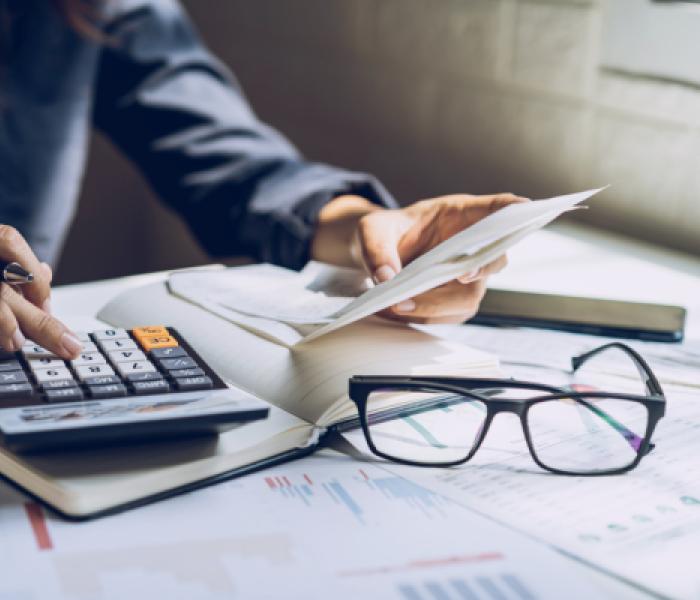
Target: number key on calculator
(143, 383)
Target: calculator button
(157, 386)
(186, 384)
(113, 345)
(89, 358)
(57, 384)
(83, 336)
(13, 377)
(42, 375)
(174, 352)
(178, 374)
(110, 334)
(46, 363)
(10, 365)
(113, 390)
(150, 376)
(86, 371)
(35, 351)
(88, 347)
(16, 389)
(173, 364)
(150, 331)
(64, 394)
(126, 356)
(159, 341)
(101, 380)
(142, 366)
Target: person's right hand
(25, 310)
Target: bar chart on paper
(354, 493)
(499, 587)
(325, 523)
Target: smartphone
(593, 316)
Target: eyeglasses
(570, 430)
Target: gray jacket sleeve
(180, 116)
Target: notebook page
(305, 381)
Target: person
(137, 71)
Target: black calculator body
(140, 384)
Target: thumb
(378, 237)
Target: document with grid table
(643, 526)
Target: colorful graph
(502, 587)
(37, 521)
(350, 492)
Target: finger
(499, 201)
(450, 300)
(379, 236)
(479, 207)
(446, 320)
(14, 248)
(11, 338)
(486, 271)
(48, 273)
(41, 327)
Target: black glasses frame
(360, 388)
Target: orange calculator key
(149, 331)
(151, 342)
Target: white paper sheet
(677, 364)
(643, 526)
(323, 527)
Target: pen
(14, 273)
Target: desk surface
(563, 259)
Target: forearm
(335, 240)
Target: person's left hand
(384, 240)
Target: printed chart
(298, 531)
(379, 491)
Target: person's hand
(389, 239)
(25, 309)
(383, 241)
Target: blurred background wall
(434, 97)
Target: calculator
(144, 383)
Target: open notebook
(306, 383)
(307, 388)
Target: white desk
(564, 259)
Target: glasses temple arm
(651, 383)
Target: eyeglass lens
(424, 426)
(586, 435)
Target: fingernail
(406, 306)
(384, 273)
(46, 306)
(468, 277)
(71, 344)
(18, 340)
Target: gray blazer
(174, 110)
